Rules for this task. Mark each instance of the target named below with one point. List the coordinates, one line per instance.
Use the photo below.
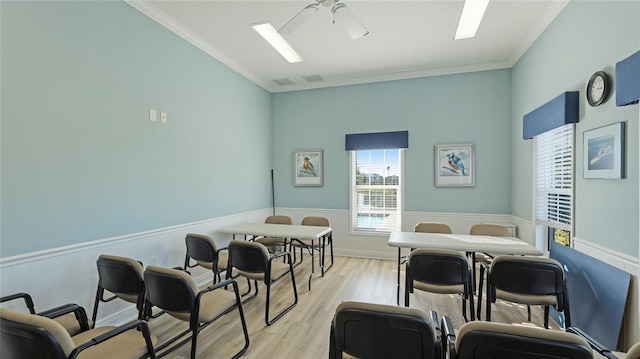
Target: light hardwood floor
(304, 331)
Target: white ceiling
(407, 39)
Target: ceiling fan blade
(299, 19)
(346, 18)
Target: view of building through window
(376, 188)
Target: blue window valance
(558, 112)
(377, 140)
(628, 80)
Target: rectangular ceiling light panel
(472, 13)
(269, 33)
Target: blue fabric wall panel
(555, 113)
(628, 80)
(377, 141)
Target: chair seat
(277, 269)
(271, 241)
(212, 305)
(129, 344)
(441, 289)
(70, 323)
(526, 298)
(223, 259)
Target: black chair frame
(253, 261)
(441, 269)
(78, 311)
(495, 344)
(181, 304)
(370, 335)
(122, 278)
(25, 334)
(199, 250)
(519, 276)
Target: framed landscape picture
(307, 167)
(603, 152)
(455, 165)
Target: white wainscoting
(69, 275)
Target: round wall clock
(597, 88)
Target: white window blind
(554, 177)
(376, 190)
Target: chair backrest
(248, 256)
(633, 352)
(32, 336)
(489, 340)
(121, 276)
(490, 230)
(366, 330)
(200, 247)
(528, 275)
(278, 220)
(430, 227)
(315, 221)
(170, 289)
(440, 267)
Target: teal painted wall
(588, 36)
(80, 159)
(470, 107)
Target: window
(376, 190)
(554, 181)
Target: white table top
(462, 242)
(277, 230)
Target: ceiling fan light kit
(344, 16)
(341, 15)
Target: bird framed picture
(308, 169)
(455, 165)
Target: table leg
(320, 261)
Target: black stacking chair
(528, 280)
(440, 271)
(204, 251)
(123, 278)
(487, 340)
(253, 261)
(25, 335)
(176, 292)
(73, 322)
(372, 331)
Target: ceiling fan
(341, 14)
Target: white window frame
(554, 180)
(353, 208)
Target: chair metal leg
(546, 316)
(244, 323)
(194, 340)
(286, 310)
(488, 314)
(471, 301)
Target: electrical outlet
(153, 260)
(152, 115)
